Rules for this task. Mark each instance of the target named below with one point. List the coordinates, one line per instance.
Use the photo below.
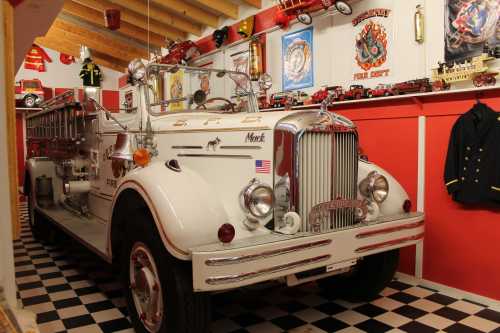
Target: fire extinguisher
(255, 59)
(419, 24)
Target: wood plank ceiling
(81, 22)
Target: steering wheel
(210, 100)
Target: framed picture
(176, 89)
(469, 27)
(297, 49)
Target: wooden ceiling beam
(137, 19)
(192, 13)
(96, 17)
(96, 41)
(254, 3)
(68, 47)
(223, 7)
(159, 15)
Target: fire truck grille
(328, 170)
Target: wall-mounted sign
(372, 43)
(297, 48)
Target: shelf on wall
(415, 97)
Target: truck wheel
(158, 287)
(29, 101)
(367, 280)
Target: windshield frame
(153, 68)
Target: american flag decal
(262, 166)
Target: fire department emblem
(371, 46)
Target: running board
(89, 231)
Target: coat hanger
(478, 108)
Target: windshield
(174, 88)
(31, 85)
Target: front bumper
(257, 259)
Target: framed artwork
(175, 89)
(297, 53)
(470, 25)
(129, 99)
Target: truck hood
(204, 121)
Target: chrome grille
(328, 170)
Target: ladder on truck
(60, 127)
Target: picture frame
(297, 59)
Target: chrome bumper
(249, 261)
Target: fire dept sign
(372, 40)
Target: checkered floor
(73, 290)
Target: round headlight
(375, 186)
(258, 199)
(380, 189)
(137, 69)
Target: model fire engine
(475, 69)
(29, 92)
(213, 195)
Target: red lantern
(112, 19)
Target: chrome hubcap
(146, 287)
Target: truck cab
(29, 92)
(193, 193)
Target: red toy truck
(412, 86)
(380, 90)
(320, 95)
(356, 91)
(30, 92)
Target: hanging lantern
(419, 25)
(112, 18)
(255, 59)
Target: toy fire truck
(214, 195)
(29, 92)
(302, 9)
(475, 69)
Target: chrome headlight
(258, 199)
(375, 186)
(137, 69)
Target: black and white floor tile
(73, 290)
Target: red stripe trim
(389, 243)
(390, 230)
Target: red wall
(461, 243)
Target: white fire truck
(191, 191)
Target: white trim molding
(419, 253)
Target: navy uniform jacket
(472, 171)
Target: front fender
(393, 205)
(186, 210)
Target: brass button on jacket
(474, 145)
